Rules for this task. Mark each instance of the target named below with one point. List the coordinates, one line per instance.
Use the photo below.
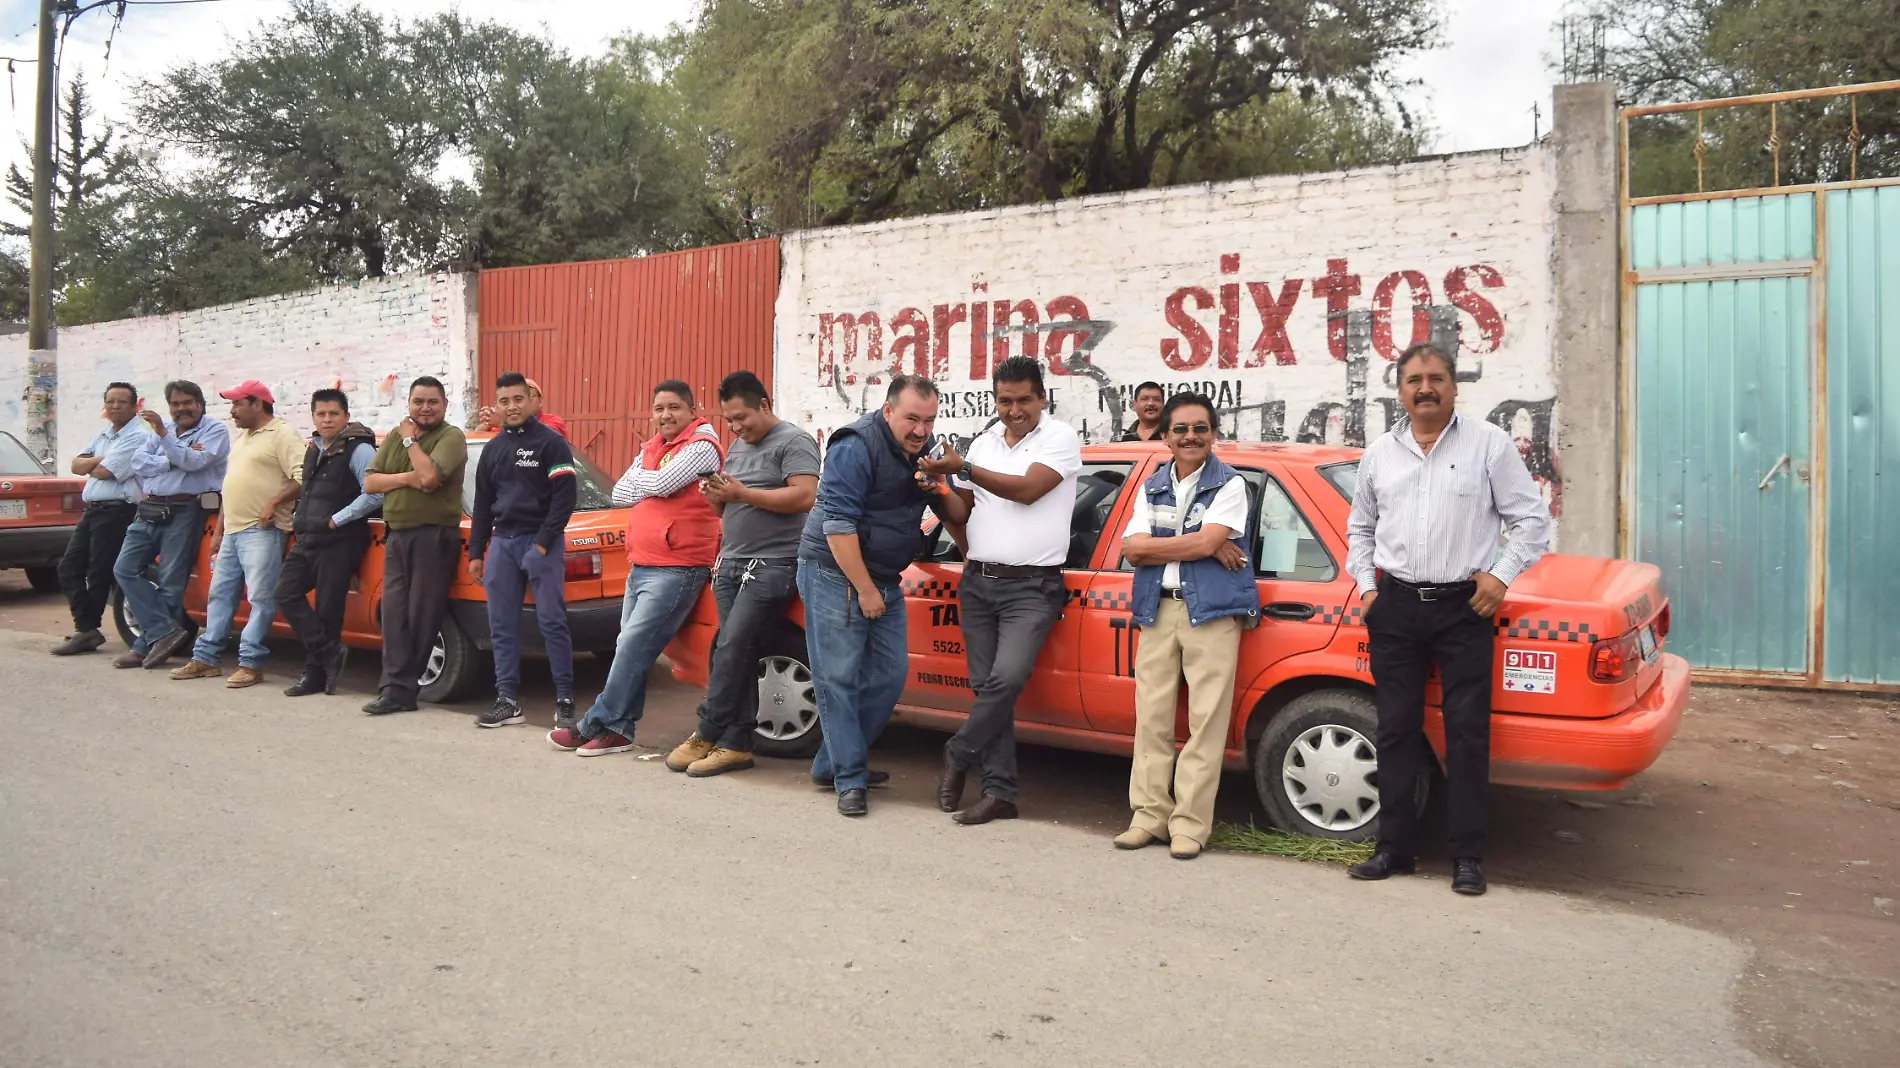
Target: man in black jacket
(331, 528)
(524, 496)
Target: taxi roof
(1293, 452)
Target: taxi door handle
(1289, 610)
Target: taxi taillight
(1662, 623)
(583, 566)
(1616, 659)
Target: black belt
(1013, 571)
(109, 504)
(1173, 595)
(175, 498)
(1432, 592)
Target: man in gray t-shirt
(769, 482)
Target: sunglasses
(1179, 429)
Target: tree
(333, 129)
(850, 110)
(88, 174)
(1669, 50)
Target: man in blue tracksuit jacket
(524, 495)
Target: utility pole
(39, 328)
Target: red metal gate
(596, 336)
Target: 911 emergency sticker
(1528, 671)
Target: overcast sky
(1478, 90)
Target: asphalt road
(191, 876)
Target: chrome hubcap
(438, 657)
(1331, 776)
(788, 702)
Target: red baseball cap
(252, 388)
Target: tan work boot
(1184, 848)
(195, 669)
(1135, 838)
(688, 751)
(243, 677)
(718, 761)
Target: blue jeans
(512, 566)
(248, 563)
(159, 610)
(658, 600)
(858, 667)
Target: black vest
(329, 485)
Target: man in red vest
(672, 542)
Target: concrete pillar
(1585, 267)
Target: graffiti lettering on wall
(1308, 357)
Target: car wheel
(454, 668)
(126, 625)
(788, 700)
(1316, 768)
(44, 579)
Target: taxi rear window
(1344, 478)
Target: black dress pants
(418, 567)
(1406, 635)
(326, 565)
(85, 572)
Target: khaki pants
(1205, 656)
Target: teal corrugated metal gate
(1861, 626)
(1722, 387)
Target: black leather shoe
(333, 669)
(852, 803)
(165, 648)
(987, 808)
(875, 777)
(950, 783)
(1467, 876)
(1383, 865)
(307, 683)
(383, 706)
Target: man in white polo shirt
(1019, 481)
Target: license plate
(12, 509)
(1646, 640)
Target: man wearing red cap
(489, 417)
(261, 482)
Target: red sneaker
(566, 738)
(607, 742)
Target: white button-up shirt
(1435, 517)
(1024, 535)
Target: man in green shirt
(418, 470)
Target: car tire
(456, 666)
(788, 724)
(1315, 768)
(127, 627)
(45, 579)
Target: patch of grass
(1278, 843)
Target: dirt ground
(1773, 818)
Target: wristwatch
(408, 442)
(964, 471)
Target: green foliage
(1679, 50)
(854, 110)
(335, 142)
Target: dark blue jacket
(1209, 590)
(868, 488)
(524, 485)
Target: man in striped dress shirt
(1422, 544)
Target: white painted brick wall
(1126, 256)
(368, 339)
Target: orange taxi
(458, 665)
(1584, 697)
(38, 511)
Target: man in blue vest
(1194, 595)
(864, 530)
